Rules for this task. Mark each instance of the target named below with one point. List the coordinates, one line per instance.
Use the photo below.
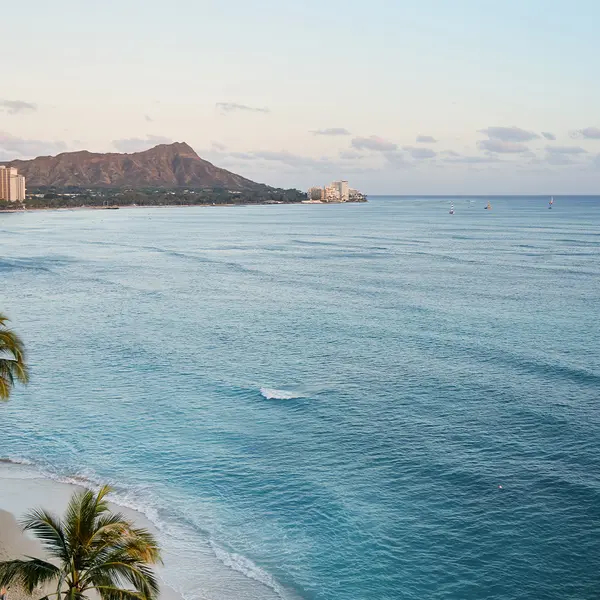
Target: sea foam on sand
(192, 569)
(20, 491)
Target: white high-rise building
(12, 185)
(332, 193)
(342, 187)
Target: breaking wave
(273, 394)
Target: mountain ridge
(165, 165)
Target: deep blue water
(411, 362)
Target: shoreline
(51, 495)
(215, 573)
(126, 206)
(15, 544)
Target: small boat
(551, 202)
(488, 206)
(452, 209)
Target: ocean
(373, 401)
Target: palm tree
(91, 549)
(12, 359)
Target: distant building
(316, 193)
(12, 185)
(336, 191)
(342, 187)
(332, 193)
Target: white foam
(246, 567)
(15, 460)
(182, 548)
(273, 394)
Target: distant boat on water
(551, 202)
(488, 206)
(451, 209)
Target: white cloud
(397, 160)
(588, 133)
(509, 134)
(374, 143)
(426, 139)
(502, 147)
(333, 131)
(229, 107)
(565, 150)
(28, 148)
(350, 155)
(456, 158)
(559, 159)
(13, 107)
(284, 157)
(420, 153)
(139, 144)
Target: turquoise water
(321, 402)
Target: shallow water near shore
(321, 402)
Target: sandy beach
(18, 495)
(13, 544)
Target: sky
(396, 96)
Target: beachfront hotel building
(337, 191)
(12, 185)
(342, 187)
(316, 193)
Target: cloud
(242, 155)
(588, 133)
(139, 144)
(350, 155)
(596, 161)
(331, 131)
(559, 159)
(420, 153)
(502, 147)
(13, 107)
(565, 150)
(11, 145)
(148, 118)
(426, 139)
(284, 157)
(563, 155)
(228, 107)
(457, 158)
(293, 160)
(548, 135)
(374, 143)
(217, 147)
(450, 153)
(509, 134)
(397, 160)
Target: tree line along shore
(74, 197)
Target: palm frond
(49, 530)
(27, 573)
(94, 548)
(109, 592)
(13, 366)
(124, 572)
(5, 387)
(80, 518)
(142, 545)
